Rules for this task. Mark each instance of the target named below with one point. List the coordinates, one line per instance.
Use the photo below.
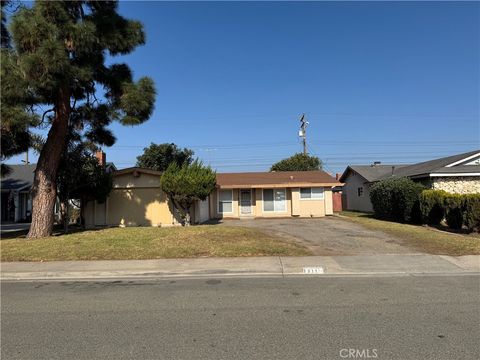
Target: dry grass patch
(151, 243)
(421, 238)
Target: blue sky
(392, 81)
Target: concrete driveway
(330, 235)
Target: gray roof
(371, 172)
(438, 166)
(20, 177)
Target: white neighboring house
(357, 181)
(457, 174)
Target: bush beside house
(402, 200)
(396, 199)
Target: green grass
(421, 238)
(150, 243)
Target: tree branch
(44, 114)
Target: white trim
(218, 202)
(463, 160)
(312, 198)
(273, 211)
(455, 174)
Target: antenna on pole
(303, 132)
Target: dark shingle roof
(439, 166)
(371, 172)
(20, 177)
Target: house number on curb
(313, 270)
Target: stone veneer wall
(457, 185)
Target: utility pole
(26, 158)
(303, 132)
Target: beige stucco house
(273, 194)
(137, 199)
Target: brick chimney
(337, 176)
(101, 157)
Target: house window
(274, 200)
(360, 191)
(225, 201)
(311, 194)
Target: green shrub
(396, 199)
(454, 210)
(471, 214)
(432, 206)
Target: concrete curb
(362, 265)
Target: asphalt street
(381, 317)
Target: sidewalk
(256, 266)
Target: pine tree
(15, 100)
(57, 60)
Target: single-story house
(16, 205)
(16, 197)
(137, 199)
(457, 174)
(357, 181)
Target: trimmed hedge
(458, 210)
(403, 200)
(432, 206)
(397, 199)
(454, 210)
(471, 215)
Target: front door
(245, 202)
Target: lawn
(150, 243)
(421, 238)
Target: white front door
(245, 202)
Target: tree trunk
(187, 217)
(66, 219)
(44, 188)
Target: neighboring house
(16, 198)
(357, 181)
(137, 199)
(457, 174)
(16, 205)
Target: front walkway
(245, 266)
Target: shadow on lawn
(57, 231)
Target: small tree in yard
(186, 184)
(160, 156)
(58, 67)
(298, 162)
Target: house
(15, 189)
(137, 199)
(357, 181)
(273, 194)
(457, 174)
(16, 205)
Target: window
(274, 200)
(360, 191)
(225, 201)
(311, 194)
